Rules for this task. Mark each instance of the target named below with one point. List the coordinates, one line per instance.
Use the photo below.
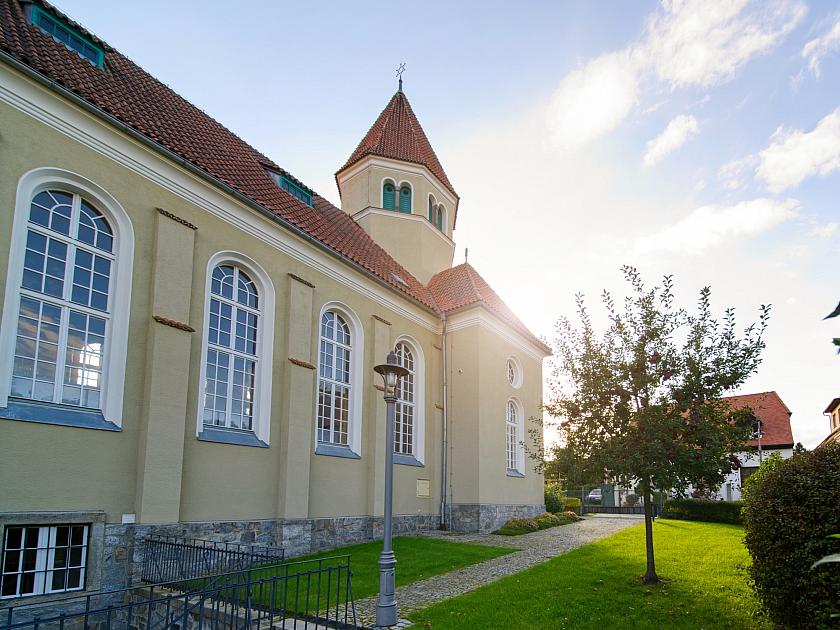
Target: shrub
(571, 516)
(554, 498)
(631, 500)
(571, 504)
(703, 510)
(790, 510)
(548, 520)
(517, 526)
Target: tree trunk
(650, 576)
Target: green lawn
(598, 586)
(418, 558)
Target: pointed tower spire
(400, 71)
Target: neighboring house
(833, 413)
(776, 437)
(189, 332)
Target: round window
(513, 372)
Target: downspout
(444, 461)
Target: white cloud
(678, 131)
(825, 231)
(593, 100)
(819, 48)
(704, 42)
(708, 226)
(733, 174)
(685, 43)
(795, 155)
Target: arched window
(439, 218)
(405, 198)
(233, 352)
(513, 437)
(404, 428)
(432, 209)
(334, 380)
(65, 302)
(388, 195)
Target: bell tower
(394, 186)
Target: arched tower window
(513, 437)
(404, 428)
(232, 360)
(334, 380)
(439, 218)
(388, 195)
(405, 198)
(432, 208)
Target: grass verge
(598, 586)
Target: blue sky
(700, 139)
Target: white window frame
(45, 559)
(261, 426)
(513, 362)
(116, 334)
(419, 432)
(519, 446)
(357, 351)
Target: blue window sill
(515, 473)
(336, 450)
(407, 460)
(220, 436)
(52, 413)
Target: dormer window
(67, 35)
(291, 187)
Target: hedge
(571, 504)
(703, 510)
(790, 510)
(554, 498)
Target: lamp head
(390, 372)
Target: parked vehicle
(594, 496)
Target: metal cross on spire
(400, 71)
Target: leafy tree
(834, 313)
(563, 465)
(641, 404)
(798, 449)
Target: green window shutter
(405, 199)
(439, 221)
(388, 196)
(431, 211)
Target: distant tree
(642, 404)
(564, 466)
(798, 449)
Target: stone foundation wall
(487, 517)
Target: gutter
(30, 72)
(445, 448)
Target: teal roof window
(295, 189)
(72, 38)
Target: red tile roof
(774, 415)
(397, 134)
(125, 91)
(462, 286)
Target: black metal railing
(295, 595)
(173, 559)
(611, 509)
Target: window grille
(64, 302)
(512, 432)
(232, 350)
(405, 407)
(334, 380)
(65, 34)
(43, 559)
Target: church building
(189, 331)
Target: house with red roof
(189, 331)
(773, 435)
(833, 414)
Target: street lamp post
(386, 607)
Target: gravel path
(533, 549)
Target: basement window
(291, 187)
(67, 35)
